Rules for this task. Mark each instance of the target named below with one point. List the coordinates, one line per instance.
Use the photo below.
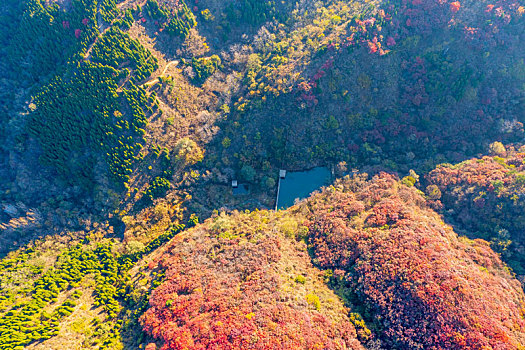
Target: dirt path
(130, 4)
(101, 31)
(102, 28)
(168, 65)
(87, 55)
(154, 80)
(121, 6)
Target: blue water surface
(299, 185)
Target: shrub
(313, 300)
(300, 279)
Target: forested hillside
(244, 282)
(124, 122)
(407, 278)
(422, 286)
(484, 198)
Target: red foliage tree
(227, 293)
(426, 287)
(485, 197)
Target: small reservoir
(300, 184)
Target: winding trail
(155, 80)
(102, 30)
(168, 65)
(87, 55)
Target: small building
(282, 173)
(235, 184)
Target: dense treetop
(243, 282)
(485, 198)
(423, 286)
